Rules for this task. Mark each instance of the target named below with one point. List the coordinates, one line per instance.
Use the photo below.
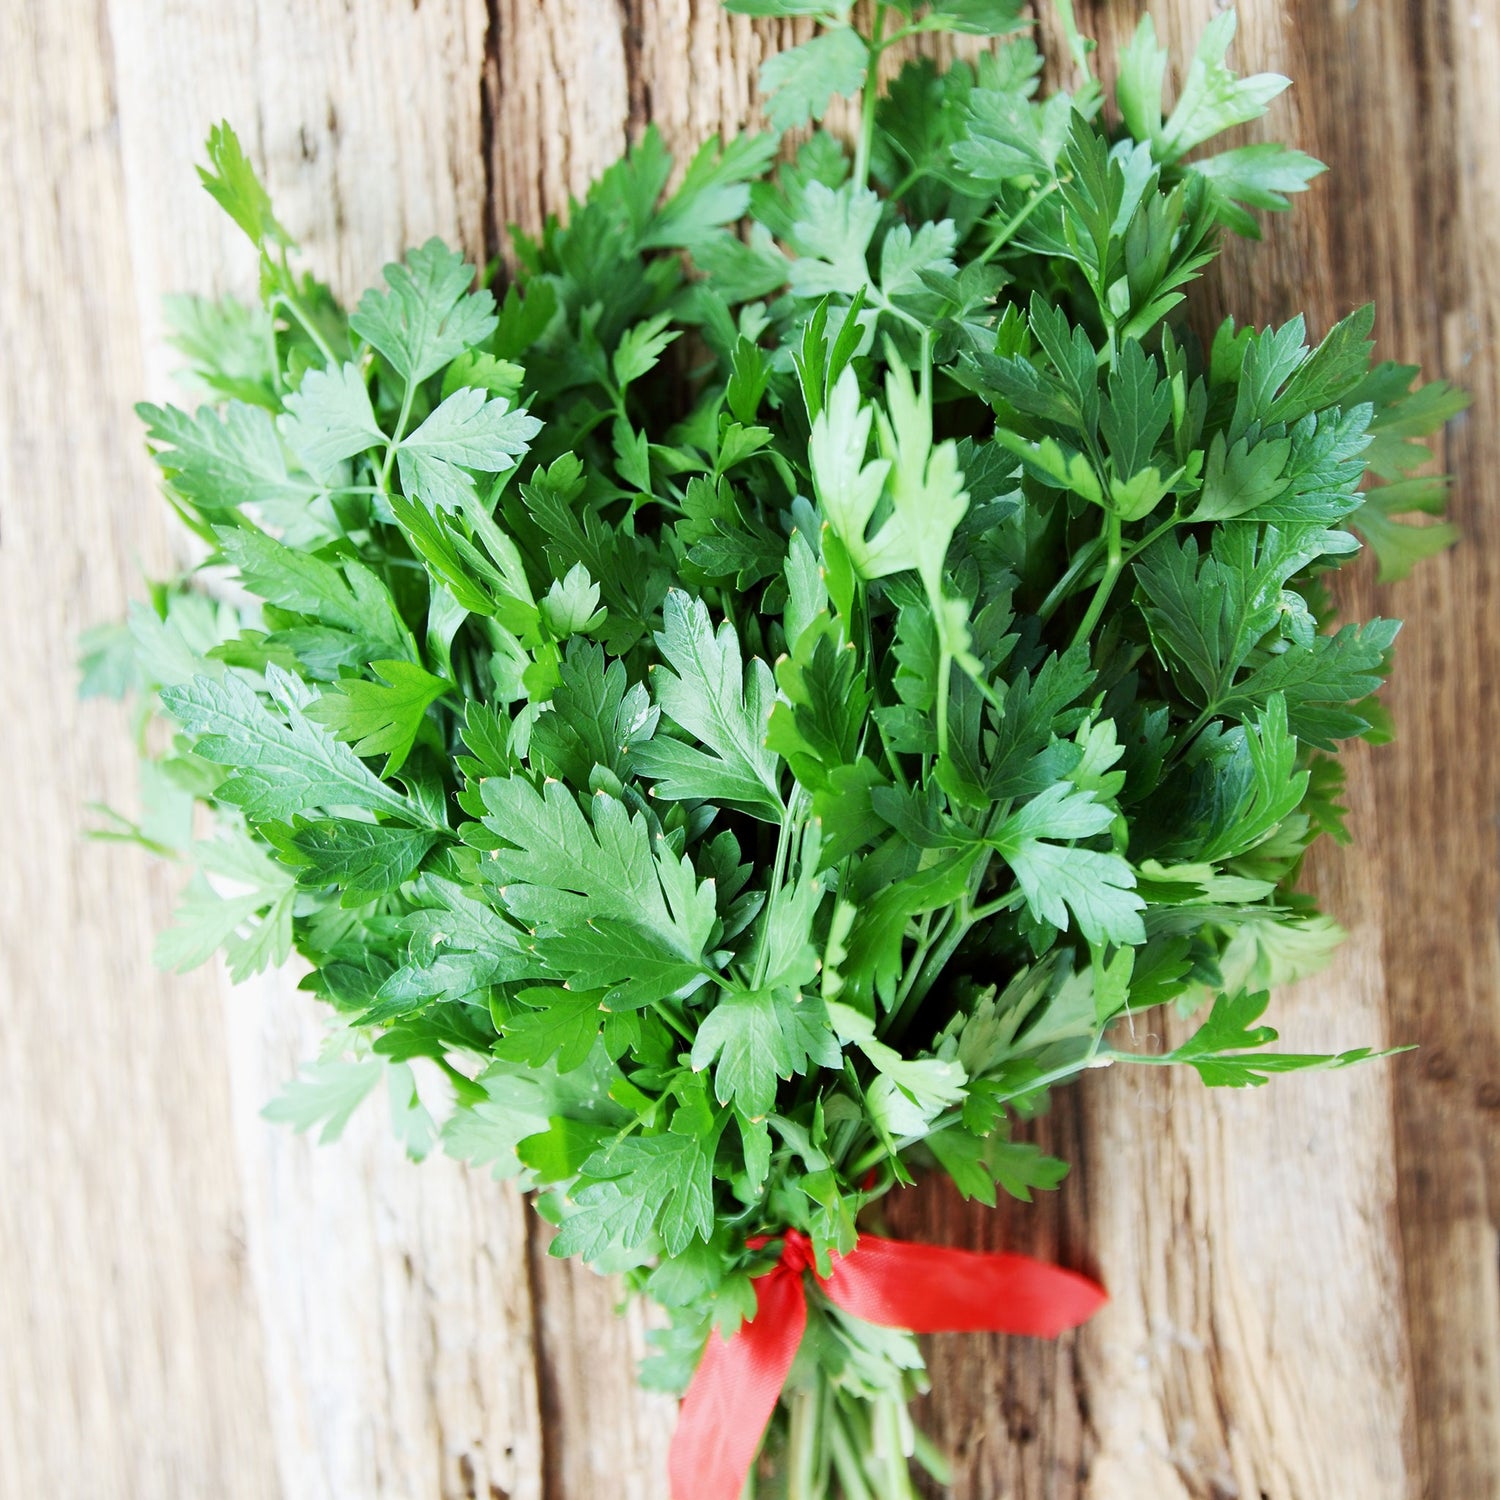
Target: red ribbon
(924, 1288)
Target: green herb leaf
(706, 691)
(428, 316)
(281, 762)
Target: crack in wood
(489, 108)
(549, 1403)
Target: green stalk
(1082, 562)
(287, 298)
(868, 97)
(803, 1435)
(846, 1450)
(1113, 564)
(1094, 1058)
(1016, 220)
(945, 665)
(778, 874)
(395, 440)
(891, 1449)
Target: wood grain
(132, 1349)
(194, 1303)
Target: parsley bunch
(737, 720)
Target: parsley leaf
(380, 718)
(428, 316)
(467, 432)
(705, 690)
(281, 762)
(640, 1192)
(800, 82)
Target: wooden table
(193, 1303)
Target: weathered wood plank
(395, 1303)
(387, 1330)
(1252, 1243)
(132, 1353)
(1394, 98)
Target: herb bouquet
(745, 713)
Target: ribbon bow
(923, 1288)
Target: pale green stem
(1016, 220)
(308, 327)
(789, 817)
(395, 441)
(847, 1463)
(803, 1437)
(1114, 562)
(1082, 562)
(288, 299)
(868, 99)
(889, 1411)
(1094, 1058)
(1135, 549)
(945, 664)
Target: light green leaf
(428, 316)
(847, 487)
(799, 82)
(380, 718)
(925, 485)
(325, 1093)
(231, 180)
(221, 463)
(365, 860)
(640, 348)
(246, 909)
(1222, 1049)
(978, 17)
(571, 606)
(344, 594)
(643, 1189)
(1097, 889)
(281, 763)
(832, 239)
(466, 432)
(714, 192)
(759, 1036)
(329, 418)
(704, 689)
(1213, 99)
(563, 1024)
(569, 876)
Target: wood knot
(1440, 1066)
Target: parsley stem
(995, 907)
(868, 97)
(282, 299)
(802, 1443)
(844, 1452)
(1135, 549)
(945, 665)
(880, 300)
(1082, 562)
(1016, 220)
(1114, 563)
(789, 816)
(669, 1011)
(925, 940)
(1088, 554)
(906, 184)
(286, 297)
(1095, 1057)
(395, 439)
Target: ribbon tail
(734, 1392)
(932, 1289)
